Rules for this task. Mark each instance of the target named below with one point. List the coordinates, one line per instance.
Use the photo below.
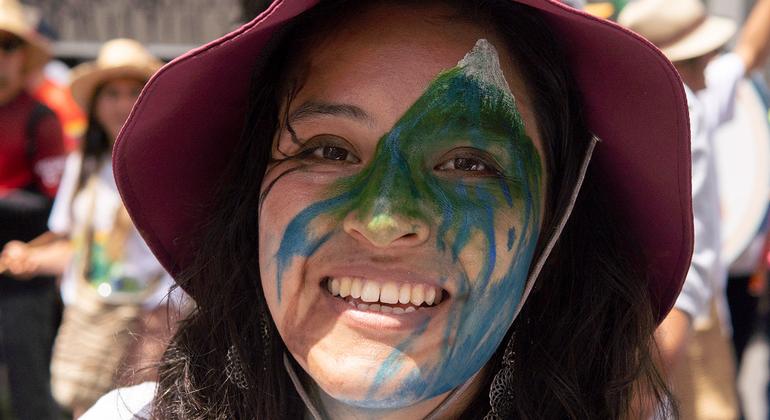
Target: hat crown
(11, 8)
(123, 52)
(12, 18)
(663, 21)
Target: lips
(387, 297)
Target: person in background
(112, 286)
(49, 85)
(32, 154)
(698, 326)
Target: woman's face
(114, 103)
(400, 214)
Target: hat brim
(38, 51)
(87, 77)
(710, 36)
(184, 126)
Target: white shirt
(71, 211)
(709, 108)
(131, 403)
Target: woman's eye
(334, 153)
(466, 164)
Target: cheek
(104, 112)
(490, 255)
(281, 215)
(13, 65)
(277, 209)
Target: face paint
(460, 162)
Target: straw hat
(680, 28)
(13, 20)
(604, 10)
(117, 58)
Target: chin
(359, 380)
(407, 393)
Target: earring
(501, 391)
(234, 368)
(233, 362)
(264, 332)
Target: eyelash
(323, 153)
(472, 161)
(327, 148)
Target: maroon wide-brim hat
(187, 120)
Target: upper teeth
(388, 292)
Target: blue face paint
(491, 211)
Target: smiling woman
(399, 219)
(446, 203)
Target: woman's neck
(449, 405)
(338, 410)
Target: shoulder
(37, 110)
(44, 127)
(130, 403)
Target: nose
(386, 227)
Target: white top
(746, 263)
(131, 403)
(70, 214)
(709, 108)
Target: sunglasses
(10, 43)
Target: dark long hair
(95, 145)
(583, 344)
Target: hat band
(682, 34)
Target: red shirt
(19, 168)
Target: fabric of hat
(117, 58)
(12, 20)
(181, 132)
(680, 28)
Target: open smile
(388, 297)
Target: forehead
(385, 57)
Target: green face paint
(459, 161)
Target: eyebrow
(314, 108)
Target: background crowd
(85, 308)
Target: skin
(386, 168)
(114, 103)
(48, 254)
(12, 74)
(693, 72)
(672, 336)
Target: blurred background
(167, 27)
